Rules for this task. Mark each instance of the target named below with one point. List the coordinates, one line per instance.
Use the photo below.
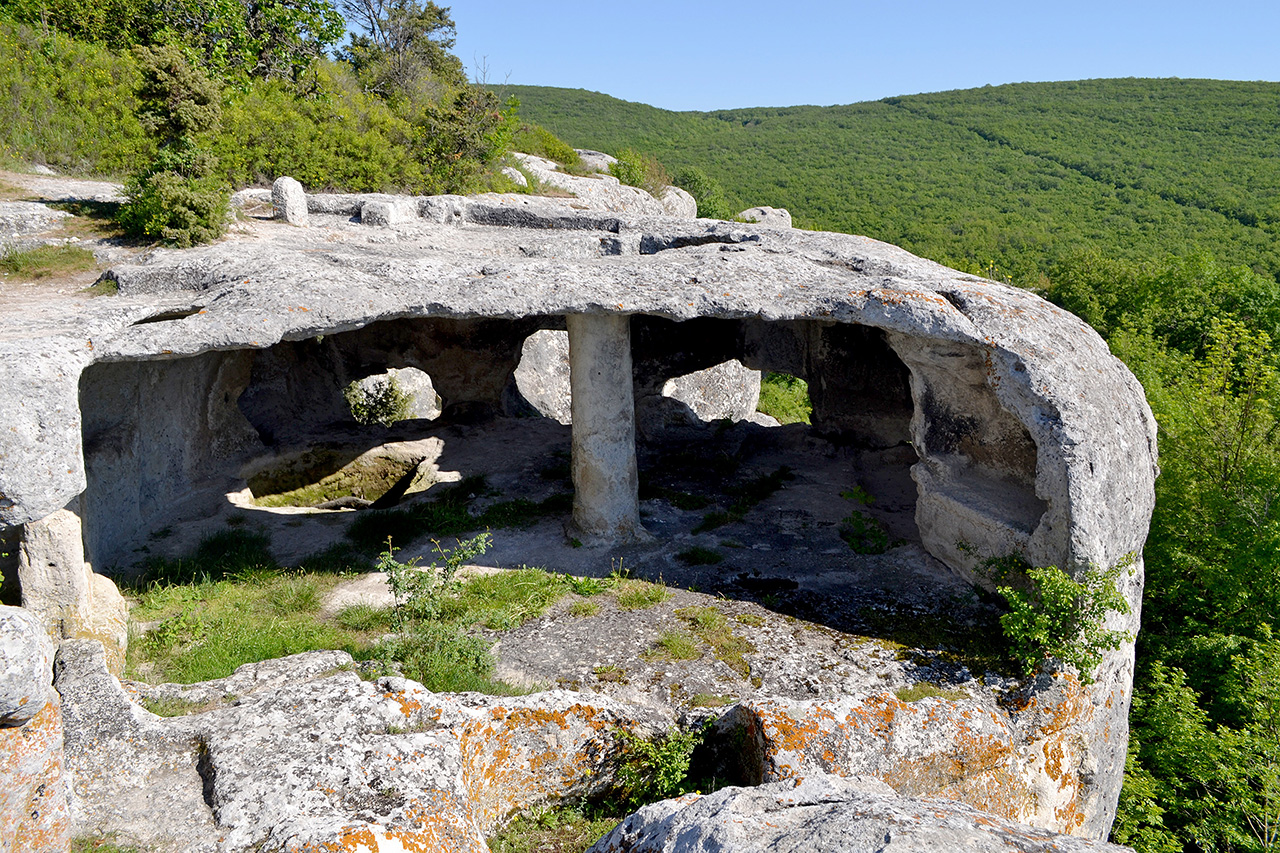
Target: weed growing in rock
(712, 627)
(584, 609)
(652, 770)
(673, 645)
(561, 830)
(638, 595)
(865, 535)
(749, 494)
(710, 700)
(1054, 616)
(377, 400)
(610, 673)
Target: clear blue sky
(695, 55)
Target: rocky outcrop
(1027, 765)
(64, 592)
(770, 217)
(605, 192)
(828, 813)
(351, 762)
(289, 201)
(1029, 437)
(33, 802)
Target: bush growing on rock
(377, 400)
(179, 198)
(640, 170)
(705, 190)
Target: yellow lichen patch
(33, 812)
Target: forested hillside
(1150, 208)
(1006, 179)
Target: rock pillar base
(606, 503)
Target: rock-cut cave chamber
(909, 451)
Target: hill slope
(999, 179)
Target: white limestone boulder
(828, 813)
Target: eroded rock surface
(33, 802)
(828, 813)
(1028, 436)
(307, 756)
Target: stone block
(289, 201)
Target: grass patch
(611, 674)
(103, 287)
(507, 599)
(710, 700)
(750, 493)
(46, 261)
(673, 645)
(640, 595)
(175, 707)
(925, 690)
(584, 609)
(785, 398)
(230, 604)
(699, 556)
(209, 627)
(712, 627)
(562, 830)
(364, 618)
(107, 844)
(753, 619)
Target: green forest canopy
(1004, 180)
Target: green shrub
(785, 398)
(712, 203)
(420, 592)
(381, 401)
(54, 88)
(534, 139)
(178, 198)
(653, 770)
(171, 207)
(640, 170)
(335, 137)
(865, 535)
(1057, 617)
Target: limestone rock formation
(26, 666)
(1009, 764)
(289, 201)
(596, 161)
(828, 813)
(1026, 435)
(33, 805)
(605, 192)
(23, 218)
(679, 203)
(351, 761)
(770, 217)
(62, 589)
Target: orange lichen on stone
(33, 802)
